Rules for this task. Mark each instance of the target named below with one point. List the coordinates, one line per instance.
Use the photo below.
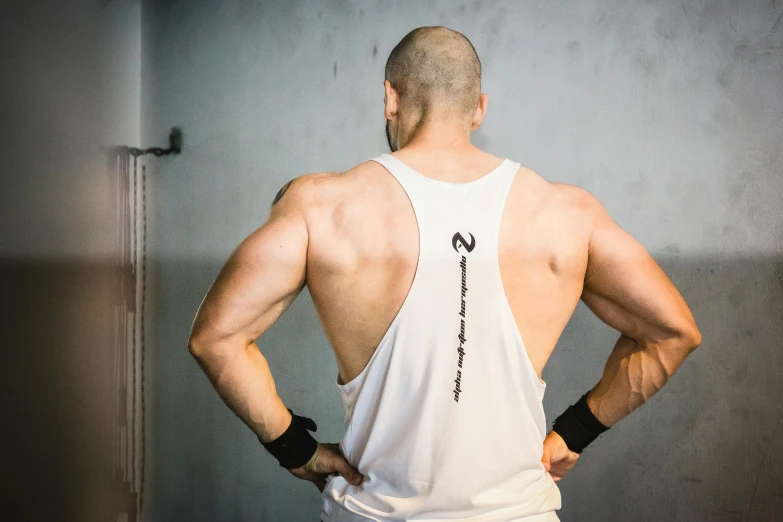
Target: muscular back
(351, 237)
(363, 250)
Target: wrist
(295, 446)
(276, 426)
(578, 426)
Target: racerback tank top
(446, 421)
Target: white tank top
(446, 421)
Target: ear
(390, 100)
(481, 110)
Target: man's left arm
(261, 279)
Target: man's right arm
(627, 290)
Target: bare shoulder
(319, 190)
(298, 191)
(562, 196)
(579, 201)
(304, 190)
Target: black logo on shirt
(458, 238)
(463, 263)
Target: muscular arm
(261, 279)
(627, 290)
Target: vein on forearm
(634, 372)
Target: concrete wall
(670, 112)
(69, 89)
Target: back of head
(436, 72)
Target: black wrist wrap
(295, 447)
(578, 426)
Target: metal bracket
(175, 146)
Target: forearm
(243, 380)
(633, 373)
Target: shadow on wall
(57, 320)
(703, 448)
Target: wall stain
(724, 113)
(666, 29)
(732, 234)
(757, 213)
(735, 297)
(736, 188)
(374, 52)
(673, 248)
(710, 15)
(723, 78)
(645, 61)
(778, 23)
(335, 69)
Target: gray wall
(69, 89)
(670, 112)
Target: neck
(436, 133)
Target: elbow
(208, 345)
(690, 338)
(197, 347)
(675, 348)
(695, 339)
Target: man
(443, 277)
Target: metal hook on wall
(175, 146)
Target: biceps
(262, 277)
(626, 288)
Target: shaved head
(435, 70)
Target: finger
(561, 452)
(545, 459)
(560, 449)
(348, 472)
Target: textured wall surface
(671, 113)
